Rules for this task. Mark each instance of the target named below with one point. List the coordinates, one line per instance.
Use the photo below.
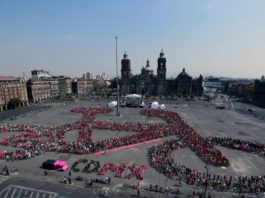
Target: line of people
(161, 160)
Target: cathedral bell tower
(161, 74)
(125, 74)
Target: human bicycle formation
(119, 170)
(36, 140)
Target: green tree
(14, 103)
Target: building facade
(184, 83)
(84, 87)
(146, 83)
(12, 87)
(214, 84)
(40, 90)
(39, 74)
(43, 86)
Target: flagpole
(117, 77)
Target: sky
(72, 37)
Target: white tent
(133, 96)
(162, 106)
(154, 105)
(112, 104)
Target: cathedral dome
(183, 73)
(147, 67)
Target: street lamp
(117, 77)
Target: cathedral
(148, 84)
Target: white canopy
(162, 106)
(154, 105)
(112, 104)
(133, 96)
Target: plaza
(200, 115)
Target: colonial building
(40, 90)
(65, 85)
(84, 86)
(11, 87)
(214, 84)
(197, 88)
(54, 86)
(37, 75)
(90, 84)
(146, 83)
(43, 86)
(184, 83)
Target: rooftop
(4, 78)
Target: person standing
(109, 181)
(138, 190)
(64, 180)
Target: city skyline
(223, 38)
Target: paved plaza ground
(201, 115)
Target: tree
(14, 103)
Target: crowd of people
(160, 159)
(90, 167)
(239, 144)
(119, 170)
(136, 172)
(30, 141)
(35, 140)
(200, 145)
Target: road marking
(31, 194)
(117, 187)
(69, 187)
(3, 178)
(239, 166)
(6, 195)
(19, 193)
(26, 192)
(13, 192)
(66, 192)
